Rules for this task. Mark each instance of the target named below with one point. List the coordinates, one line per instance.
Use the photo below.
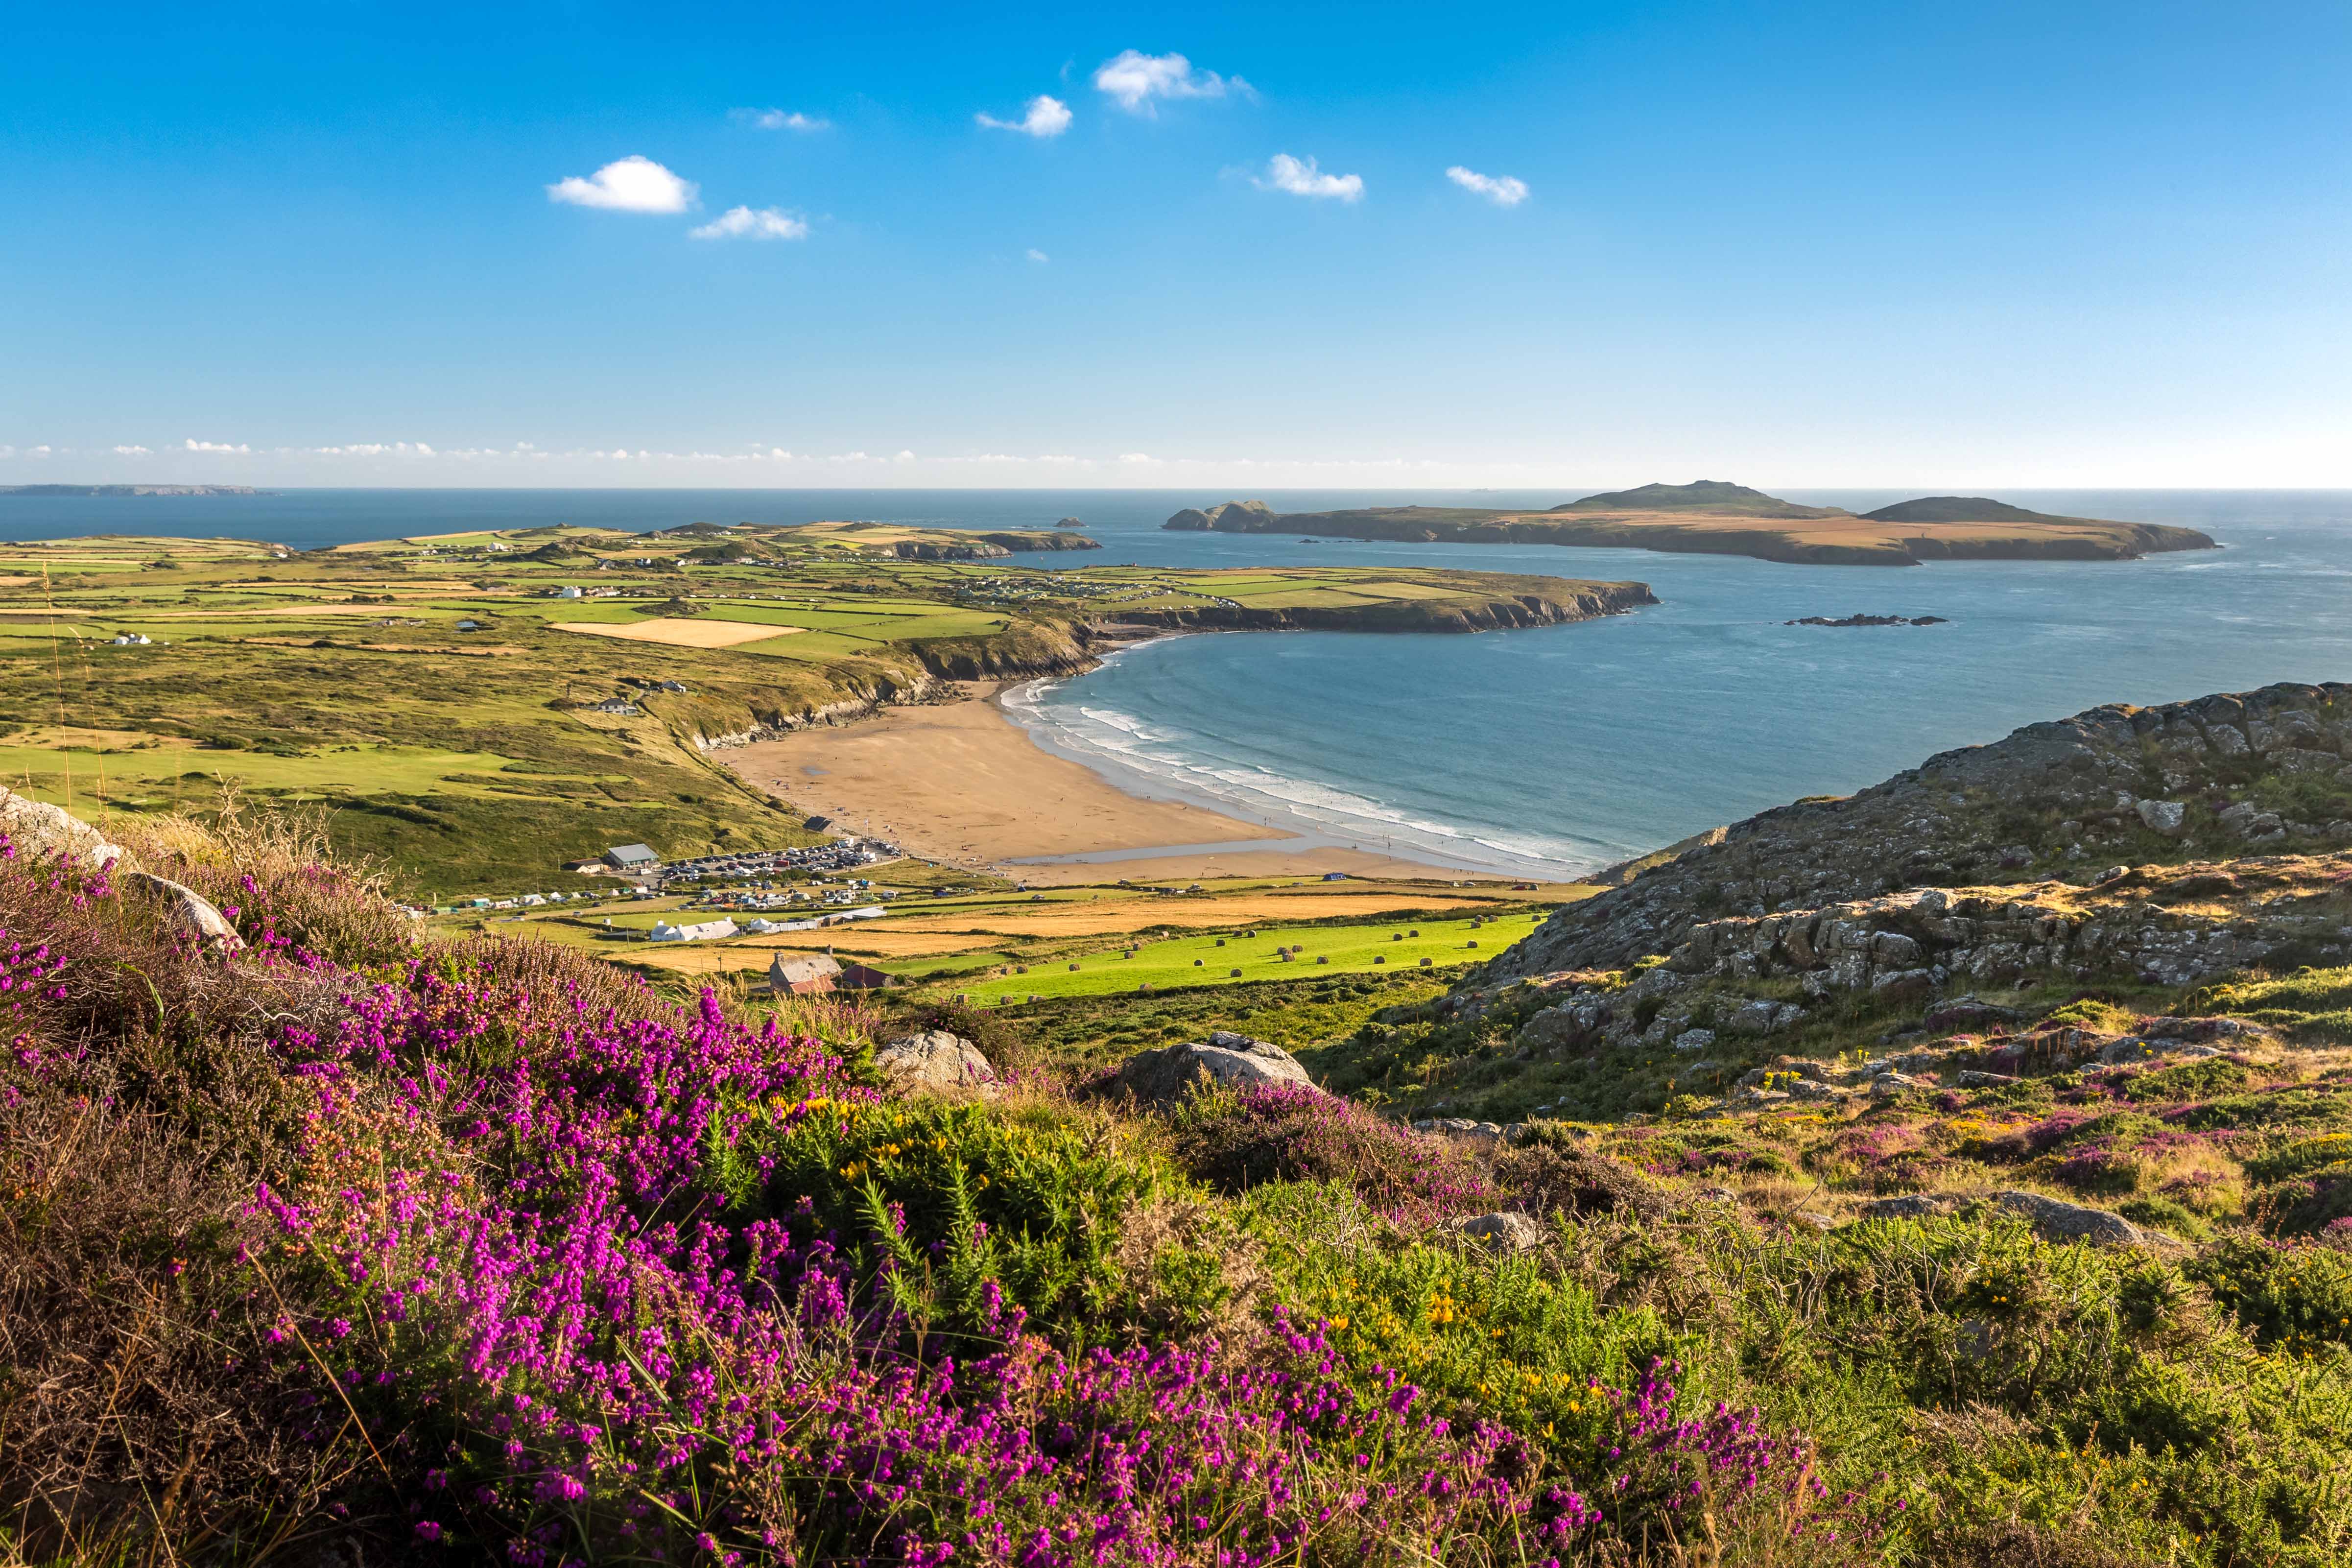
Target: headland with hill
(1714, 518)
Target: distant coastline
(50, 492)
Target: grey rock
(1887, 1085)
(1505, 1230)
(1972, 1079)
(1571, 1024)
(188, 910)
(1225, 1058)
(2130, 1048)
(1762, 1017)
(2053, 1220)
(2165, 816)
(50, 832)
(934, 1060)
(1694, 1039)
(1904, 985)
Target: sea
(1541, 752)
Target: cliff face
(2253, 773)
(1022, 543)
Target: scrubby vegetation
(342, 1243)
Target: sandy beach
(962, 783)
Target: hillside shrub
(1238, 1140)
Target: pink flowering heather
(497, 1230)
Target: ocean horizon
(1546, 751)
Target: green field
(1235, 959)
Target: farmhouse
(708, 931)
(803, 974)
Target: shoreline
(1497, 864)
(965, 784)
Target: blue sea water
(1552, 750)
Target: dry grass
(678, 632)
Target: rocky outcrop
(1985, 937)
(1232, 517)
(1225, 1060)
(934, 1061)
(38, 830)
(2052, 795)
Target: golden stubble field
(672, 631)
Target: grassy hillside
(481, 1251)
(1702, 496)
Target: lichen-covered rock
(1505, 1230)
(188, 910)
(1225, 1058)
(41, 831)
(2055, 1220)
(934, 1061)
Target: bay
(1546, 750)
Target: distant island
(1863, 620)
(1711, 517)
(41, 492)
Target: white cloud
(1047, 116)
(196, 445)
(1300, 177)
(743, 223)
(1139, 459)
(1500, 189)
(133, 451)
(1035, 255)
(630, 184)
(43, 449)
(779, 119)
(1132, 79)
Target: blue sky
(1785, 243)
